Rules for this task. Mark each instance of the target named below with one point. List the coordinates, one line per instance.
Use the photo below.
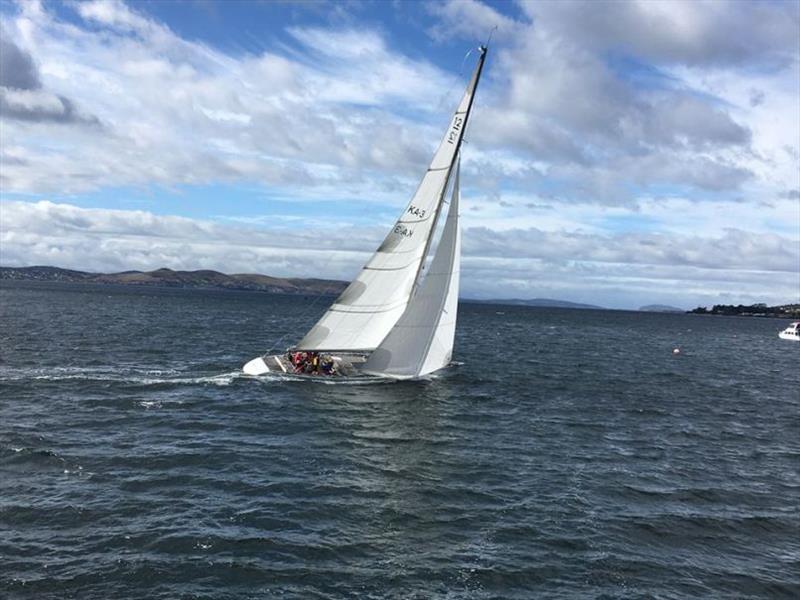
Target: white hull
(346, 367)
(791, 333)
(256, 367)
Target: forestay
(366, 311)
(422, 340)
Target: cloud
(592, 89)
(37, 106)
(529, 262)
(21, 95)
(700, 33)
(116, 14)
(734, 250)
(468, 18)
(587, 116)
(177, 112)
(17, 69)
(756, 98)
(103, 239)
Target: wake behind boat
(397, 318)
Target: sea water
(569, 454)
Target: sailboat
(397, 318)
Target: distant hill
(546, 302)
(214, 280)
(203, 279)
(660, 308)
(790, 311)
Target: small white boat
(792, 332)
(397, 318)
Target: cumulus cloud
(21, 95)
(105, 239)
(700, 33)
(599, 91)
(17, 69)
(39, 107)
(178, 112)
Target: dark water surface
(136, 462)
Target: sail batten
(377, 298)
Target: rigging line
(464, 61)
(441, 104)
(301, 316)
(306, 310)
(491, 33)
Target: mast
(459, 134)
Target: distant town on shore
(214, 280)
(790, 311)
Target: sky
(619, 153)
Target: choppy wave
(137, 461)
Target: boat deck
(344, 365)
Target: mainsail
(368, 309)
(422, 340)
